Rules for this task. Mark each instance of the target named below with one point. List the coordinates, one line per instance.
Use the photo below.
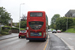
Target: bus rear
(36, 25)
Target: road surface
(9, 36)
(21, 44)
(53, 43)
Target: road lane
(69, 38)
(8, 36)
(21, 44)
(3, 42)
(52, 43)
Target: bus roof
(36, 11)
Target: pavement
(56, 43)
(68, 38)
(8, 36)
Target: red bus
(37, 25)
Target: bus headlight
(27, 28)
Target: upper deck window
(36, 14)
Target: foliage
(48, 27)
(0, 35)
(73, 22)
(4, 16)
(15, 28)
(53, 20)
(23, 24)
(15, 24)
(61, 23)
(7, 26)
(22, 28)
(4, 33)
(18, 28)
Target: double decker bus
(37, 25)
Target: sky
(16, 7)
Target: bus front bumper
(36, 38)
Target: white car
(49, 30)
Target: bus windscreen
(36, 25)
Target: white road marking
(48, 36)
(70, 38)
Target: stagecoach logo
(40, 34)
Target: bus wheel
(30, 40)
(19, 37)
(45, 39)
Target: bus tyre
(30, 40)
(45, 39)
(19, 37)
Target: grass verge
(71, 30)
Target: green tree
(73, 23)
(48, 27)
(17, 25)
(23, 24)
(4, 16)
(53, 20)
(61, 23)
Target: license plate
(35, 34)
